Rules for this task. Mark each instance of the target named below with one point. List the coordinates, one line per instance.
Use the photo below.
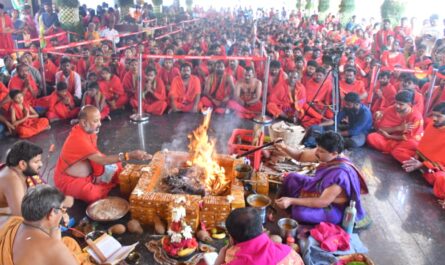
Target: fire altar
(206, 179)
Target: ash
(184, 181)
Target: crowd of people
(391, 95)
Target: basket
(355, 257)
(291, 134)
(237, 145)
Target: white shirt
(77, 83)
(109, 34)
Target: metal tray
(92, 208)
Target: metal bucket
(261, 202)
(288, 227)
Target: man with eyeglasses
(36, 238)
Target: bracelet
(127, 156)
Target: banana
(186, 251)
(219, 236)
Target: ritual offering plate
(108, 209)
(181, 251)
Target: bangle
(127, 156)
(121, 156)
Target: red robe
(6, 38)
(437, 97)
(431, 151)
(287, 63)
(389, 62)
(319, 109)
(168, 75)
(32, 126)
(279, 81)
(71, 82)
(78, 147)
(58, 110)
(82, 68)
(113, 90)
(185, 97)
(400, 150)
(218, 91)
(154, 103)
(388, 98)
(50, 71)
(283, 100)
(18, 84)
(130, 84)
(380, 39)
(4, 92)
(104, 112)
(237, 74)
(357, 87)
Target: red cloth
(244, 112)
(358, 87)
(6, 38)
(78, 147)
(280, 81)
(168, 75)
(4, 92)
(82, 68)
(237, 74)
(59, 110)
(331, 237)
(283, 100)
(184, 97)
(113, 90)
(380, 39)
(32, 126)
(50, 71)
(17, 83)
(319, 109)
(104, 111)
(130, 84)
(154, 102)
(287, 63)
(388, 98)
(217, 91)
(389, 62)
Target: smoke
(180, 140)
(222, 128)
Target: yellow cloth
(7, 236)
(9, 231)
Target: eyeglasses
(62, 209)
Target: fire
(202, 150)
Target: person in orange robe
(246, 100)
(130, 81)
(392, 58)
(25, 119)
(438, 94)
(154, 95)
(50, 70)
(309, 73)
(351, 84)
(71, 78)
(99, 63)
(430, 156)
(94, 97)
(419, 60)
(317, 106)
(235, 70)
(400, 128)
(61, 104)
(84, 172)
(381, 37)
(384, 93)
(168, 72)
(84, 63)
(409, 82)
(288, 101)
(185, 91)
(218, 89)
(6, 28)
(277, 77)
(111, 88)
(287, 61)
(23, 81)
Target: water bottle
(349, 217)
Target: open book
(112, 250)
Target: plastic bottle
(349, 217)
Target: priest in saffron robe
(351, 84)
(409, 83)
(235, 70)
(23, 81)
(318, 99)
(324, 197)
(309, 73)
(23, 116)
(185, 91)
(277, 77)
(251, 245)
(71, 78)
(130, 81)
(84, 172)
(154, 94)
(168, 72)
(61, 104)
(94, 97)
(288, 101)
(218, 89)
(384, 93)
(111, 88)
(399, 128)
(246, 100)
(430, 156)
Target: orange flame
(201, 155)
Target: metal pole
(430, 92)
(262, 118)
(335, 96)
(140, 116)
(16, 45)
(42, 71)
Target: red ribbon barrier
(45, 37)
(214, 58)
(167, 34)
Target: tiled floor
(408, 224)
